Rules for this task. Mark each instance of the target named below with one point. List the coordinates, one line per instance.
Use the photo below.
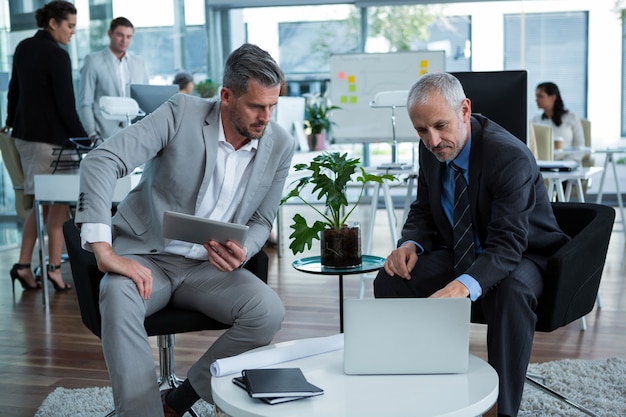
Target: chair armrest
(574, 271)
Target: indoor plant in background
(329, 173)
(207, 88)
(317, 120)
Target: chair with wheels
(573, 273)
(164, 323)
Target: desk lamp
(391, 100)
(120, 108)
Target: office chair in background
(545, 142)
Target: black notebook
(241, 383)
(278, 382)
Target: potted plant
(207, 88)
(329, 174)
(317, 120)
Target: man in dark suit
(514, 230)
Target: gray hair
(249, 62)
(439, 83)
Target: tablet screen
(188, 228)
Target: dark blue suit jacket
(511, 211)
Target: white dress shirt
(224, 194)
(121, 71)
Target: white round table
(461, 395)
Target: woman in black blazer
(42, 115)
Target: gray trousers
(237, 298)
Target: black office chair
(572, 275)
(71, 153)
(164, 323)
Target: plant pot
(317, 142)
(341, 248)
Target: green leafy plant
(317, 114)
(207, 88)
(329, 173)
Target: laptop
(406, 336)
(557, 165)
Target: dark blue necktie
(464, 252)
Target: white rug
(89, 402)
(597, 385)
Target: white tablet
(199, 230)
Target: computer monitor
(149, 96)
(499, 95)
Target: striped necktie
(463, 234)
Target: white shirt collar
(115, 58)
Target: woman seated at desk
(565, 124)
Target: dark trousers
(508, 309)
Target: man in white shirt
(223, 159)
(108, 73)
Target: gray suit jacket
(179, 142)
(98, 78)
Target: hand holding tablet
(188, 228)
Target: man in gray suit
(222, 159)
(108, 73)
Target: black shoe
(16, 276)
(57, 287)
(167, 410)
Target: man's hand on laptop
(225, 257)
(454, 289)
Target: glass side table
(313, 265)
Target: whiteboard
(355, 80)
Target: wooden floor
(43, 349)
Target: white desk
(610, 159)
(464, 395)
(571, 179)
(64, 189)
(572, 153)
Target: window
(156, 46)
(555, 49)
(453, 35)
(623, 121)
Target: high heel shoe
(57, 287)
(16, 276)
